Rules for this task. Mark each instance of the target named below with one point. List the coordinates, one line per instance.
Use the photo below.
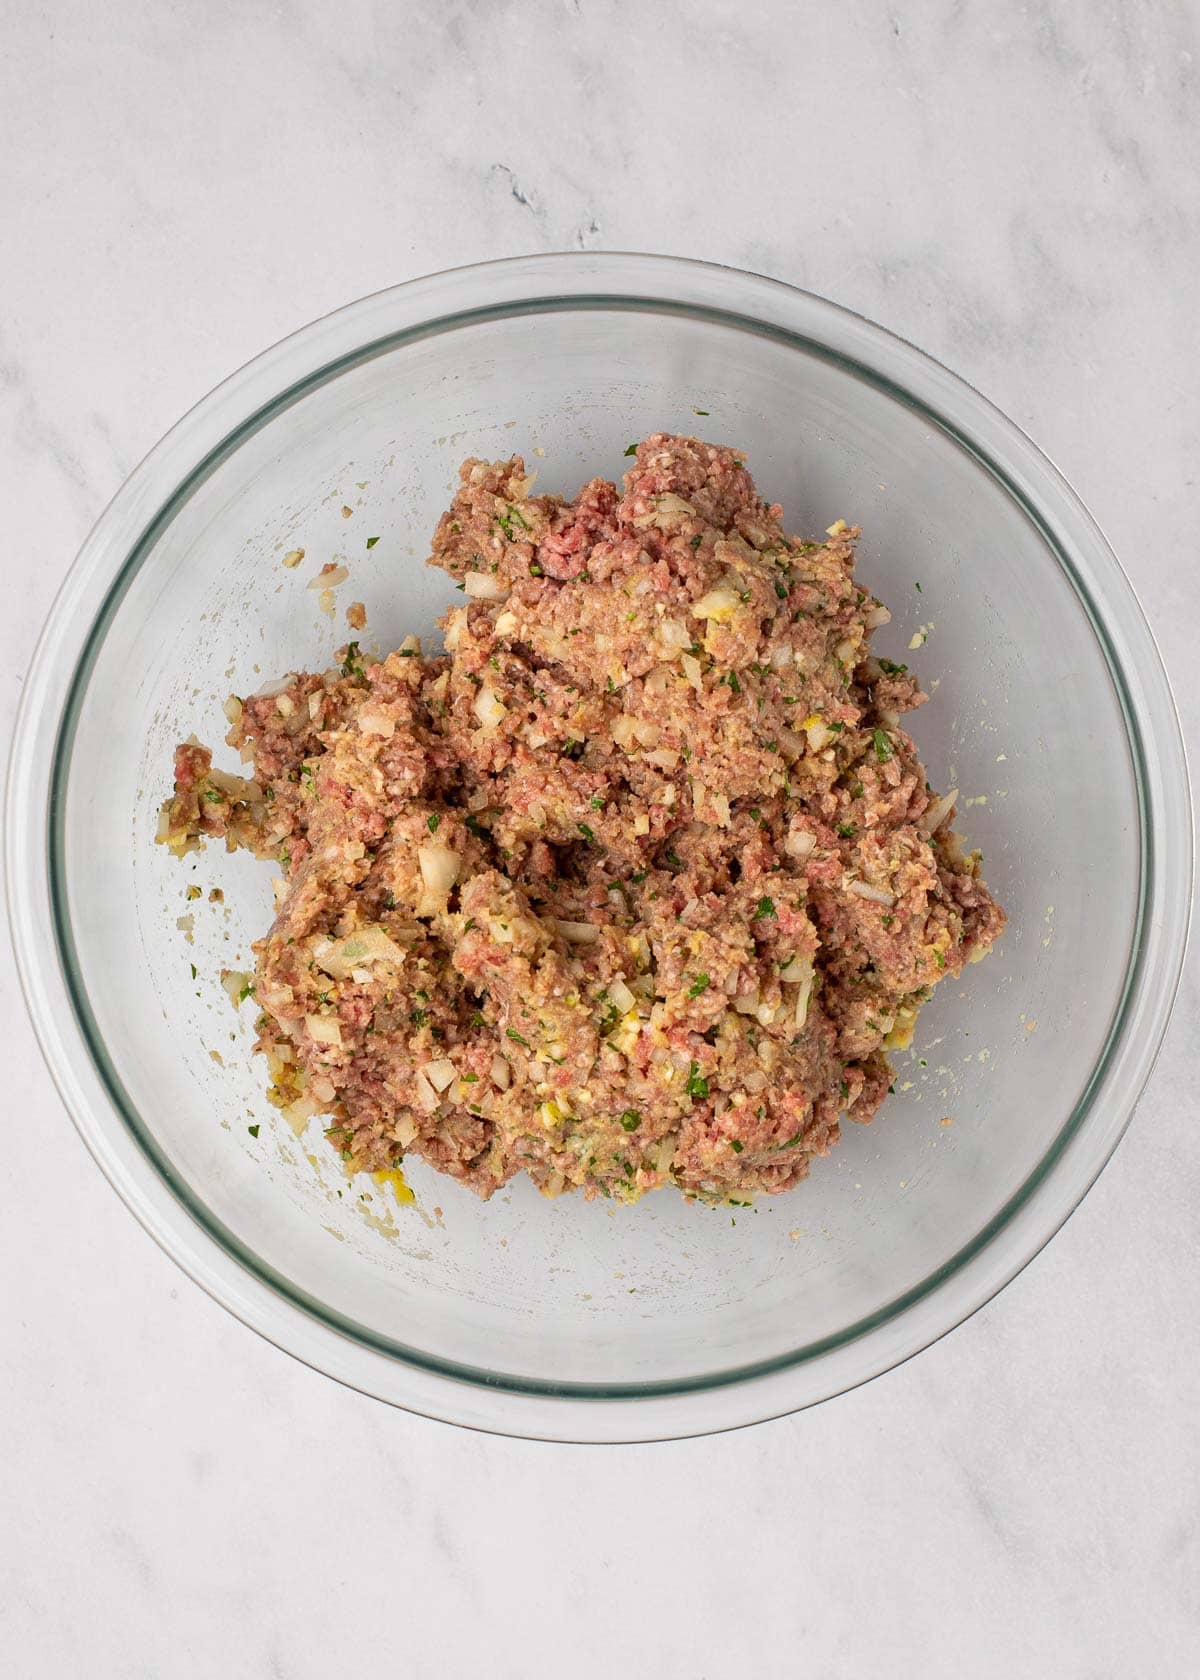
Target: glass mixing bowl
(1050, 712)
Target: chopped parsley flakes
(697, 1085)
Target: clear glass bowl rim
(115, 1133)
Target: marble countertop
(1015, 189)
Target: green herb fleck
(585, 831)
(371, 541)
(736, 1146)
(766, 907)
(891, 668)
(843, 1089)
(253, 1130)
(246, 991)
(697, 540)
(192, 966)
(433, 822)
(352, 665)
(883, 747)
(847, 830)
(511, 1032)
(697, 1085)
(632, 450)
(213, 797)
(698, 985)
(631, 1120)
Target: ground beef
(637, 883)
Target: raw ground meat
(635, 884)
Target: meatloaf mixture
(636, 883)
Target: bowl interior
(1024, 720)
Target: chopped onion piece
(620, 994)
(799, 844)
(329, 577)
(484, 586)
(818, 735)
(935, 815)
(427, 1097)
(272, 690)
(501, 1073)
(624, 731)
(299, 1113)
(440, 1074)
(439, 871)
(367, 944)
(797, 971)
(578, 933)
(375, 723)
(719, 604)
(667, 508)
(802, 997)
(873, 895)
(876, 615)
(234, 981)
(488, 709)
(324, 1029)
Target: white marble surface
(1015, 188)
